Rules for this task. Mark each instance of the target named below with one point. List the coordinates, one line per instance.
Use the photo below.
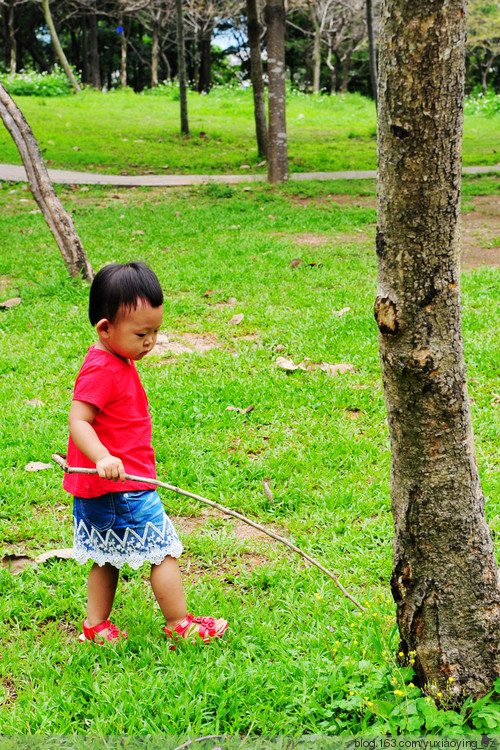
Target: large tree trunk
(277, 169)
(256, 74)
(95, 60)
(372, 49)
(181, 66)
(57, 45)
(445, 577)
(60, 223)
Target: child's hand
(110, 467)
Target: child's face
(133, 333)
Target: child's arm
(81, 416)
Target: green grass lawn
(298, 658)
(136, 133)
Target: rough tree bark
(181, 66)
(277, 164)
(256, 75)
(445, 577)
(57, 45)
(60, 223)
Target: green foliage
(29, 83)
(478, 103)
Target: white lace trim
(153, 546)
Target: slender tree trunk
(484, 80)
(95, 61)
(346, 67)
(85, 53)
(155, 54)
(57, 45)
(256, 74)
(316, 54)
(205, 70)
(60, 223)
(168, 70)
(372, 50)
(445, 577)
(181, 66)
(123, 53)
(5, 34)
(12, 39)
(332, 68)
(277, 170)
(31, 46)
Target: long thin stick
(59, 460)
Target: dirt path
(15, 173)
(481, 233)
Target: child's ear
(102, 327)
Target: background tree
(372, 50)
(181, 65)
(60, 223)
(277, 169)
(256, 75)
(445, 578)
(58, 46)
(484, 38)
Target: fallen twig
(59, 460)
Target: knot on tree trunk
(386, 315)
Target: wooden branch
(60, 461)
(59, 221)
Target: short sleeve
(95, 385)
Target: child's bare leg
(167, 587)
(101, 589)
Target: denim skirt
(123, 527)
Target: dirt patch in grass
(255, 554)
(309, 239)
(68, 629)
(363, 201)
(5, 284)
(10, 690)
(239, 529)
(480, 229)
(481, 233)
(186, 343)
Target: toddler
(110, 429)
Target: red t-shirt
(122, 424)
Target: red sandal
(206, 629)
(114, 636)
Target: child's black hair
(122, 285)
